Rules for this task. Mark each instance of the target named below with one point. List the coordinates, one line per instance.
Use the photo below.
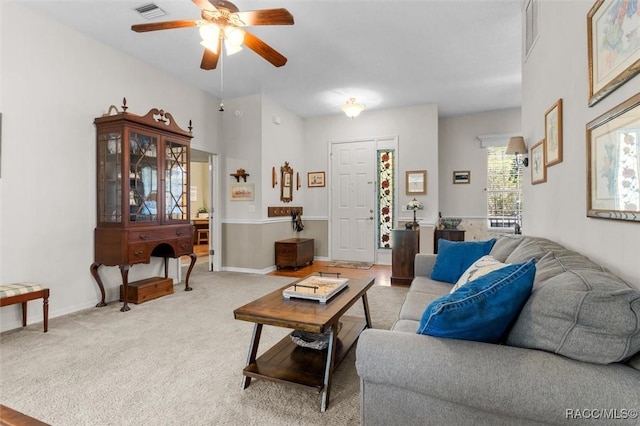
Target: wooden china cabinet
(142, 195)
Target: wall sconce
(352, 109)
(516, 146)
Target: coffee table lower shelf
(287, 362)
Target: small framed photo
(553, 134)
(315, 179)
(242, 191)
(416, 183)
(538, 166)
(461, 176)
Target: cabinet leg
(94, 272)
(124, 271)
(186, 280)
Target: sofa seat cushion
(454, 257)
(414, 305)
(583, 314)
(483, 309)
(427, 285)
(406, 326)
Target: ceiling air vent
(150, 11)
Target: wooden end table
(287, 362)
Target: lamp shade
(516, 146)
(352, 109)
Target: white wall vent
(150, 11)
(531, 25)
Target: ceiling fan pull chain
(221, 109)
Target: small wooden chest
(147, 289)
(294, 252)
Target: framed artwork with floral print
(538, 165)
(613, 45)
(416, 183)
(613, 163)
(553, 134)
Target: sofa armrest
(423, 264)
(503, 380)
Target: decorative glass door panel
(176, 174)
(110, 177)
(143, 178)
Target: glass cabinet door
(110, 177)
(143, 177)
(176, 174)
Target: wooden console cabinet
(142, 195)
(406, 244)
(294, 252)
(447, 234)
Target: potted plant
(203, 213)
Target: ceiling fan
(223, 21)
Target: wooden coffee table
(287, 362)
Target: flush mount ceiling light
(352, 109)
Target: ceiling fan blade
(265, 17)
(210, 59)
(264, 50)
(167, 25)
(205, 4)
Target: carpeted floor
(176, 360)
(350, 265)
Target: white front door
(353, 191)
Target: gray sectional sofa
(571, 357)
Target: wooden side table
(406, 244)
(447, 234)
(294, 252)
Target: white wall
(417, 131)
(460, 150)
(51, 94)
(557, 68)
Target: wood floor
(382, 273)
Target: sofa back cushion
(532, 248)
(556, 262)
(585, 314)
(505, 245)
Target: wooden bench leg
(24, 314)
(45, 310)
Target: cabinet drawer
(183, 246)
(160, 234)
(140, 252)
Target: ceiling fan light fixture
(234, 35)
(352, 109)
(231, 48)
(210, 45)
(209, 33)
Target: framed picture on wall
(613, 159)
(416, 182)
(461, 176)
(553, 134)
(242, 191)
(315, 179)
(538, 166)
(612, 42)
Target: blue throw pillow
(483, 309)
(454, 257)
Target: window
(385, 196)
(504, 189)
